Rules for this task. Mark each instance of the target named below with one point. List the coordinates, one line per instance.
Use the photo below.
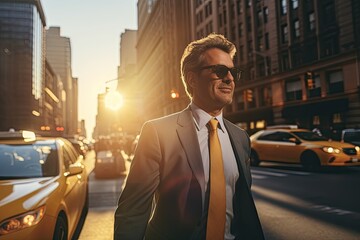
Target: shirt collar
(201, 118)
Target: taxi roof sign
(22, 134)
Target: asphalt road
(294, 204)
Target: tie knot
(213, 123)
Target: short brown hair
(193, 54)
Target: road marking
(332, 210)
(269, 173)
(255, 176)
(296, 172)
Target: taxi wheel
(310, 161)
(254, 159)
(61, 230)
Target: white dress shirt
(201, 118)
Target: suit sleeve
(135, 202)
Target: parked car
(109, 164)
(351, 136)
(79, 146)
(302, 146)
(43, 187)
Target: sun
(114, 100)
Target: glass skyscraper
(22, 64)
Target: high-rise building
(53, 103)
(22, 64)
(58, 53)
(163, 33)
(300, 59)
(131, 112)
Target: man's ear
(191, 79)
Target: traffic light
(249, 95)
(309, 78)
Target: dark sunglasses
(221, 71)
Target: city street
(292, 203)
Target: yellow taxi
(293, 145)
(43, 187)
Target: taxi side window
(276, 136)
(70, 147)
(270, 136)
(69, 156)
(285, 137)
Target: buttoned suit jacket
(162, 197)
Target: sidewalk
(99, 224)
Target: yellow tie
(217, 201)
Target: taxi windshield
(310, 136)
(38, 159)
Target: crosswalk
(265, 173)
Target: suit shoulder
(164, 120)
(234, 127)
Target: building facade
(163, 33)
(53, 122)
(300, 59)
(22, 64)
(132, 111)
(58, 53)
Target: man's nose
(228, 78)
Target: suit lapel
(240, 155)
(188, 138)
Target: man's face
(210, 92)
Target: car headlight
(357, 148)
(22, 221)
(331, 150)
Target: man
(167, 194)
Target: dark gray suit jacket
(167, 173)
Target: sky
(94, 28)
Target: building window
(297, 28)
(337, 118)
(285, 62)
(295, 4)
(241, 26)
(293, 90)
(283, 7)
(330, 46)
(316, 120)
(248, 22)
(266, 14)
(329, 15)
(260, 124)
(284, 34)
(250, 47)
(198, 3)
(239, 7)
(265, 98)
(260, 45)
(241, 53)
(312, 21)
(267, 43)
(335, 82)
(259, 18)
